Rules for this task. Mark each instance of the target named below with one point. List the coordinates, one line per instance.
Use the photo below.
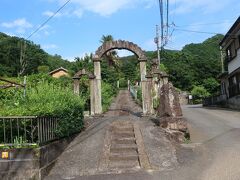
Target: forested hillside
(34, 57)
(195, 65)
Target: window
(231, 51)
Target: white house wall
(235, 63)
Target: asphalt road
(218, 131)
(207, 123)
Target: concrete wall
(31, 163)
(234, 102)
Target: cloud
(49, 46)
(103, 7)
(124, 53)
(50, 13)
(19, 24)
(81, 55)
(206, 6)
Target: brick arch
(120, 44)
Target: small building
(57, 73)
(230, 78)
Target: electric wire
(45, 22)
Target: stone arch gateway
(96, 101)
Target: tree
(199, 92)
(110, 56)
(211, 85)
(43, 69)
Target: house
(57, 73)
(230, 78)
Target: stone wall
(234, 102)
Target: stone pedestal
(97, 86)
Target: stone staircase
(123, 147)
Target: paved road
(219, 132)
(207, 123)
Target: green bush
(108, 93)
(51, 101)
(199, 92)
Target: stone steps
(123, 147)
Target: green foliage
(199, 92)
(211, 85)
(163, 68)
(48, 100)
(43, 69)
(108, 92)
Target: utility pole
(162, 23)
(156, 40)
(222, 59)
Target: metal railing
(27, 130)
(133, 91)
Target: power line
(45, 22)
(202, 24)
(202, 32)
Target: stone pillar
(143, 69)
(143, 72)
(76, 86)
(92, 93)
(149, 97)
(143, 86)
(97, 86)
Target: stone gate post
(149, 95)
(143, 72)
(97, 86)
(76, 85)
(92, 93)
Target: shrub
(199, 92)
(51, 101)
(108, 93)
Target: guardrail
(133, 91)
(27, 130)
